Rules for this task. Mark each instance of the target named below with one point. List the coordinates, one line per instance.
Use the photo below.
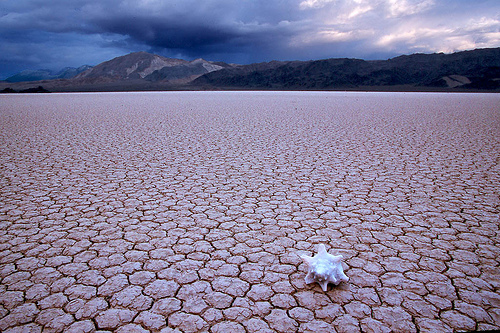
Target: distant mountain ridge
(477, 70)
(46, 74)
(133, 66)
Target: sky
(53, 34)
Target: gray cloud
(41, 34)
(201, 28)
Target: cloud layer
(37, 34)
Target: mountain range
(477, 70)
(47, 74)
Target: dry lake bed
(187, 211)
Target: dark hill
(470, 69)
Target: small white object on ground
(324, 268)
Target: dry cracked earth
(187, 211)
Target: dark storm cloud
(196, 28)
(170, 35)
(35, 33)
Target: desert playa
(188, 211)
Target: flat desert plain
(187, 211)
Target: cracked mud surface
(163, 212)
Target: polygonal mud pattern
(163, 212)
